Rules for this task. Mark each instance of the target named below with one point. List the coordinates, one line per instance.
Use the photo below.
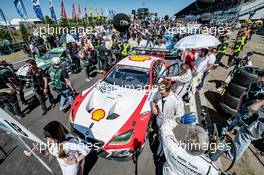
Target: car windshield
(50, 55)
(128, 76)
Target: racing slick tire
(235, 89)
(230, 100)
(226, 109)
(246, 75)
(259, 144)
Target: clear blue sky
(162, 7)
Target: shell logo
(139, 58)
(98, 114)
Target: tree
(23, 32)
(64, 23)
(4, 35)
(48, 20)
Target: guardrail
(14, 46)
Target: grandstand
(226, 10)
(253, 10)
(194, 9)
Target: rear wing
(167, 53)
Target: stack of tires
(239, 83)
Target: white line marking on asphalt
(28, 93)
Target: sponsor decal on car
(98, 114)
(139, 58)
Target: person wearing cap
(40, 85)
(8, 98)
(62, 83)
(184, 147)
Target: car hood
(43, 64)
(22, 71)
(111, 99)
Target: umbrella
(197, 41)
(67, 38)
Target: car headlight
(122, 138)
(121, 153)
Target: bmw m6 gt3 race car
(115, 113)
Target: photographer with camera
(250, 115)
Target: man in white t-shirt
(203, 65)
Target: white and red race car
(115, 112)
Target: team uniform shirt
(178, 161)
(63, 75)
(37, 78)
(182, 83)
(171, 106)
(5, 75)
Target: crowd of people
(99, 52)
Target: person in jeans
(62, 83)
(253, 93)
(249, 132)
(250, 116)
(204, 65)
